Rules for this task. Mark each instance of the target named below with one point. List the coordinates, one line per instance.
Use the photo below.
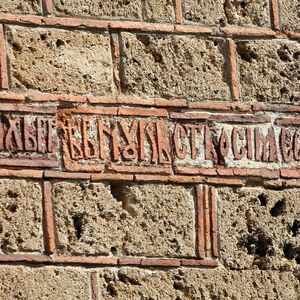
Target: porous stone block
(147, 220)
(131, 9)
(248, 13)
(290, 15)
(21, 216)
(152, 10)
(53, 60)
(132, 283)
(20, 6)
(174, 67)
(204, 12)
(260, 228)
(269, 70)
(221, 12)
(51, 283)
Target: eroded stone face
(20, 6)
(260, 228)
(174, 67)
(247, 13)
(59, 61)
(290, 15)
(43, 283)
(233, 12)
(148, 220)
(20, 216)
(131, 9)
(153, 10)
(269, 70)
(131, 283)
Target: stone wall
(149, 149)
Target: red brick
(48, 6)
(199, 263)
(190, 116)
(153, 262)
(94, 286)
(142, 112)
(187, 179)
(49, 223)
(192, 29)
(24, 258)
(275, 14)
(129, 261)
(66, 175)
(145, 177)
(200, 218)
(248, 32)
(37, 174)
(233, 69)
(56, 97)
(290, 173)
(3, 62)
(178, 12)
(85, 260)
(170, 103)
(38, 163)
(225, 181)
(140, 169)
(116, 177)
(11, 96)
(141, 26)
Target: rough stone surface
(52, 60)
(269, 70)
(259, 228)
(154, 10)
(149, 220)
(222, 12)
(204, 12)
(51, 283)
(248, 13)
(290, 15)
(131, 9)
(131, 283)
(20, 6)
(174, 67)
(20, 216)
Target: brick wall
(149, 149)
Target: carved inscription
(27, 136)
(91, 140)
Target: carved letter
(237, 134)
(130, 150)
(224, 143)
(179, 134)
(163, 142)
(286, 145)
(13, 140)
(89, 147)
(30, 141)
(267, 142)
(297, 144)
(102, 129)
(210, 151)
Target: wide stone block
(21, 216)
(290, 16)
(250, 13)
(153, 10)
(269, 71)
(20, 6)
(124, 220)
(52, 60)
(174, 67)
(131, 283)
(49, 283)
(259, 227)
